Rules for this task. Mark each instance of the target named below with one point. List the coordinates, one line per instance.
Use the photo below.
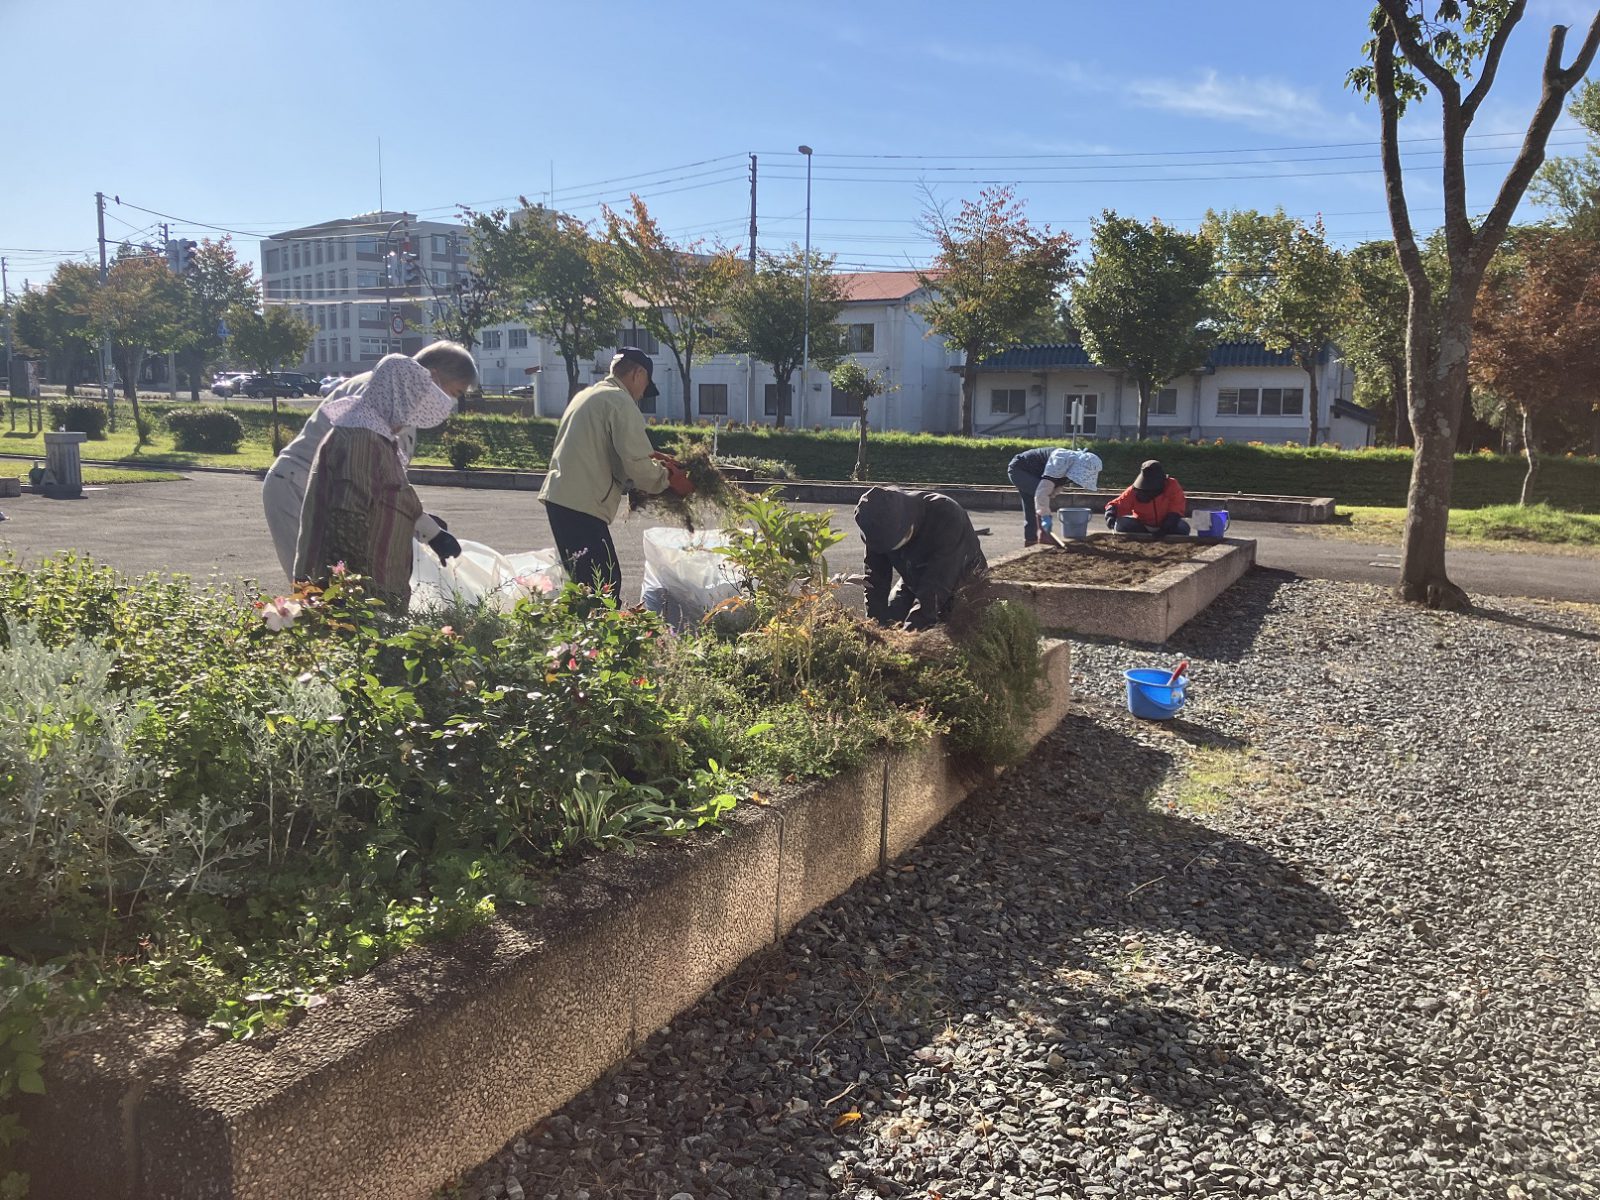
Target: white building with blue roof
(1244, 393)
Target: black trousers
(587, 551)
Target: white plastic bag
(481, 575)
(684, 576)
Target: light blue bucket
(1072, 523)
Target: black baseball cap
(633, 356)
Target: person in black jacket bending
(928, 540)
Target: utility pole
(805, 353)
(172, 358)
(5, 293)
(752, 212)
(105, 334)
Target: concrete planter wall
(424, 1068)
(1149, 612)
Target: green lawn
(1538, 528)
(1354, 477)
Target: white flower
(279, 614)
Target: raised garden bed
(1118, 587)
(422, 1069)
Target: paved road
(211, 524)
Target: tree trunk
(1531, 449)
(969, 388)
(572, 374)
(1436, 390)
(684, 373)
(275, 447)
(1313, 411)
(1594, 432)
(859, 475)
(1144, 409)
(1402, 427)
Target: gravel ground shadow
(1011, 938)
(1226, 631)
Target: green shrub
(80, 416)
(463, 451)
(206, 430)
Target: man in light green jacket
(601, 451)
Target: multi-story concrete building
(346, 279)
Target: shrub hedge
(79, 416)
(210, 430)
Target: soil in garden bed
(1100, 562)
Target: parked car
(306, 384)
(329, 382)
(222, 383)
(525, 392)
(261, 387)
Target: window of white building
(491, 339)
(1008, 402)
(517, 339)
(859, 339)
(713, 399)
(1166, 404)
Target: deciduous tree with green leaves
(1452, 47)
(1372, 333)
(681, 286)
(217, 283)
(1280, 283)
(1143, 304)
(765, 317)
(57, 320)
(267, 338)
(994, 273)
(548, 269)
(861, 385)
(141, 308)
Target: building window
(1238, 402)
(1283, 402)
(344, 321)
(294, 254)
(269, 261)
(438, 244)
(322, 283)
(846, 404)
(344, 255)
(1008, 402)
(346, 342)
(491, 339)
(1166, 403)
(859, 339)
(642, 339)
(367, 279)
(373, 347)
(713, 399)
(517, 339)
(344, 279)
(367, 244)
(769, 401)
(318, 245)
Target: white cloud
(1006, 58)
(1267, 104)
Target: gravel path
(1334, 934)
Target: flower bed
(225, 809)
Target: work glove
(439, 521)
(1111, 517)
(666, 460)
(679, 482)
(444, 544)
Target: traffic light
(413, 271)
(180, 255)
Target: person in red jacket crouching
(1155, 504)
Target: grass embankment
(1352, 477)
(1538, 529)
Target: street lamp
(805, 352)
(388, 283)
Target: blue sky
(259, 117)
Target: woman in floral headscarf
(359, 510)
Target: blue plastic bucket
(1073, 523)
(1151, 697)
(1219, 524)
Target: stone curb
(427, 1066)
(1150, 612)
